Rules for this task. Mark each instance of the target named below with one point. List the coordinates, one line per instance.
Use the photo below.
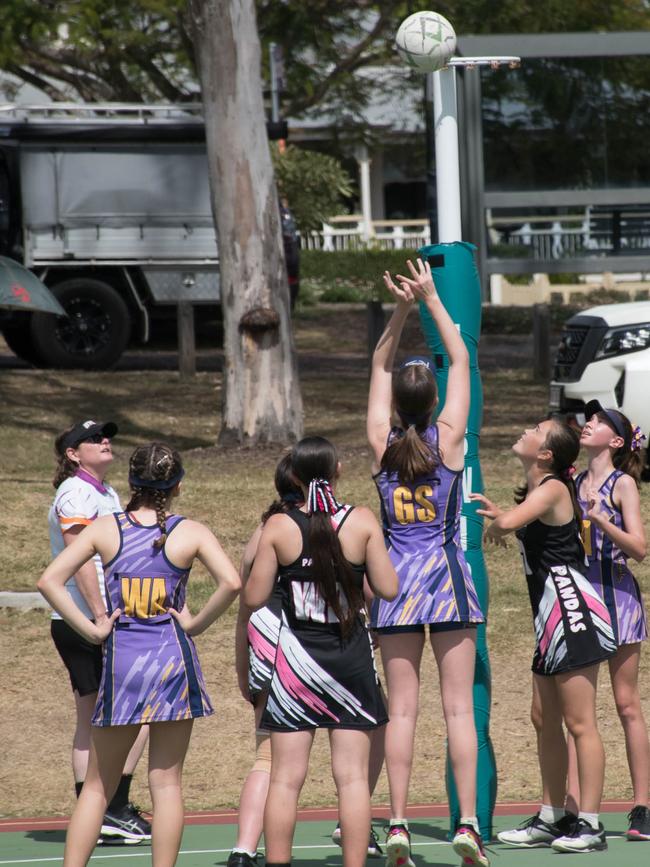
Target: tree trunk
(261, 395)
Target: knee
(537, 717)
(628, 707)
(262, 754)
(580, 726)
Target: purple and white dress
(422, 529)
(608, 571)
(151, 670)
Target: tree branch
(352, 61)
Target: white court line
(147, 853)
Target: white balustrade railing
(571, 235)
(591, 233)
(353, 233)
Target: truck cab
(604, 354)
(110, 206)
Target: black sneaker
(639, 818)
(241, 859)
(128, 823)
(374, 849)
(581, 838)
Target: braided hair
(156, 463)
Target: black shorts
(450, 626)
(82, 659)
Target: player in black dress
(573, 631)
(324, 675)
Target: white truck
(604, 354)
(110, 206)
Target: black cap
(612, 416)
(86, 429)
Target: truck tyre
(94, 334)
(18, 338)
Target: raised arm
(538, 504)
(381, 373)
(456, 409)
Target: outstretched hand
(490, 510)
(420, 283)
(401, 293)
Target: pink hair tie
(569, 473)
(638, 438)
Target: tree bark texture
(261, 394)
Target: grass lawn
(228, 490)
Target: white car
(604, 355)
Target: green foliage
(513, 319)
(140, 49)
(314, 184)
(350, 275)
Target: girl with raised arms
(573, 632)
(324, 674)
(151, 672)
(418, 467)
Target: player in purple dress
(613, 532)
(418, 470)
(151, 672)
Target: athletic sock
(399, 822)
(121, 797)
(470, 820)
(551, 815)
(78, 787)
(239, 851)
(590, 818)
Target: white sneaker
(535, 833)
(582, 838)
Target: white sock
(241, 851)
(591, 818)
(399, 822)
(470, 820)
(551, 815)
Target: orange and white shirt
(78, 501)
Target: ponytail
(409, 456)
(314, 462)
(329, 567)
(629, 457)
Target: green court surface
(206, 844)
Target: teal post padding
(456, 278)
